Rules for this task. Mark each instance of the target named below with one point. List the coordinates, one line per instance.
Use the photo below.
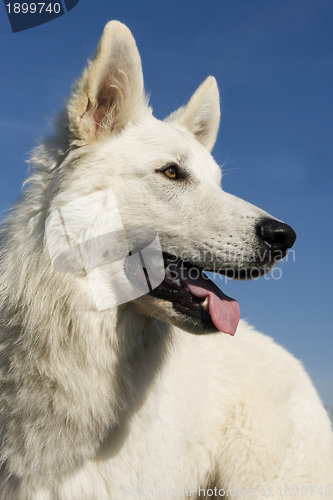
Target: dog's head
(163, 177)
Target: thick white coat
(125, 403)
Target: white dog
(123, 400)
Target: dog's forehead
(167, 142)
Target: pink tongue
(223, 310)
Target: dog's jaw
(189, 299)
(164, 310)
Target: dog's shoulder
(250, 367)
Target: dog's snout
(277, 235)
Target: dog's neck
(93, 377)
(142, 342)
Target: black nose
(278, 235)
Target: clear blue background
(273, 61)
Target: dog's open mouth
(192, 293)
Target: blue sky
(274, 65)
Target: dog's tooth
(168, 273)
(205, 304)
(178, 282)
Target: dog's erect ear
(110, 92)
(201, 116)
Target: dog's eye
(171, 172)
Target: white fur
(109, 404)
